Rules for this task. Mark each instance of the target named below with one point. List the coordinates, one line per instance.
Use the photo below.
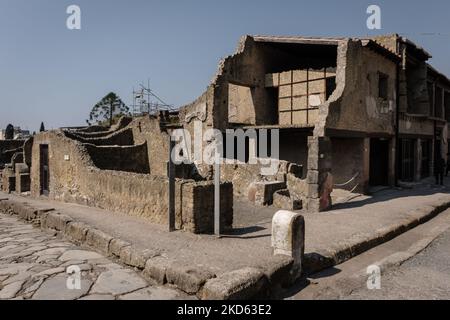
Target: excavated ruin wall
(75, 178)
(148, 130)
(244, 175)
(120, 158)
(123, 137)
(359, 108)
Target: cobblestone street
(33, 265)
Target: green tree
(9, 132)
(108, 110)
(42, 129)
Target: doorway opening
(44, 170)
(379, 162)
(407, 161)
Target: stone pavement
(33, 265)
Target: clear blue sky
(52, 74)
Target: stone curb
(315, 262)
(247, 283)
(386, 264)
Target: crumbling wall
(244, 176)
(245, 68)
(97, 131)
(360, 107)
(147, 129)
(120, 158)
(74, 177)
(241, 105)
(388, 41)
(123, 137)
(198, 116)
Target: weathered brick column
(418, 160)
(319, 177)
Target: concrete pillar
(288, 238)
(418, 160)
(319, 177)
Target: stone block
(288, 238)
(156, 268)
(36, 215)
(27, 213)
(19, 208)
(282, 199)
(313, 205)
(278, 271)
(98, 240)
(6, 205)
(137, 258)
(116, 246)
(240, 284)
(198, 207)
(188, 279)
(265, 190)
(56, 221)
(313, 191)
(76, 231)
(312, 177)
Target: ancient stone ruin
(350, 113)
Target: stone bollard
(288, 238)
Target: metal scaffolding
(146, 101)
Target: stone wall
(123, 137)
(120, 158)
(244, 177)
(148, 130)
(360, 109)
(74, 177)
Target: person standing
(440, 168)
